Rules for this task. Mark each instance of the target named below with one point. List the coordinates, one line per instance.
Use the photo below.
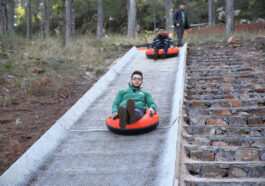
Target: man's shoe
(163, 55)
(130, 108)
(155, 56)
(122, 116)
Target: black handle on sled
(151, 114)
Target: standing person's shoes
(155, 56)
(130, 108)
(122, 114)
(164, 55)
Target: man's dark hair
(182, 3)
(161, 27)
(137, 72)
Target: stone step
(224, 121)
(224, 182)
(213, 51)
(226, 90)
(225, 130)
(220, 111)
(214, 68)
(215, 64)
(231, 120)
(226, 96)
(228, 82)
(239, 70)
(221, 77)
(227, 170)
(220, 86)
(211, 58)
(233, 80)
(225, 103)
(205, 153)
(217, 140)
(208, 68)
(204, 55)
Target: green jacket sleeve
(116, 103)
(150, 102)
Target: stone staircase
(223, 135)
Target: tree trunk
(211, 12)
(29, 19)
(128, 7)
(11, 14)
(128, 12)
(37, 7)
(68, 35)
(63, 23)
(154, 15)
(169, 16)
(42, 27)
(229, 15)
(214, 12)
(100, 19)
(4, 17)
(72, 19)
(47, 18)
(1, 15)
(132, 19)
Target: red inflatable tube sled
(171, 52)
(142, 48)
(147, 123)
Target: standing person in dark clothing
(162, 41)
(180, 20)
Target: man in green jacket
(130, 105)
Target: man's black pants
(161, 46)
(179, 32)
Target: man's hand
(171, 46)
(177, 24)
(114, 115)
(152, 111)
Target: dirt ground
(24, 123)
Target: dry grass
(44, 68)
(244, 31)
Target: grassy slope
(42, 67)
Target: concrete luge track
(86, 153)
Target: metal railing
(199, 26)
